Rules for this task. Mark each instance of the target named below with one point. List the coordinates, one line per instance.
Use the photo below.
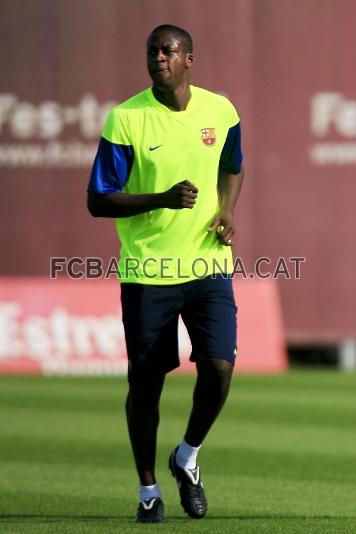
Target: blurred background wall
(288, 67)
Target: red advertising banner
(69, 326)
(288, 68)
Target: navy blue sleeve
(112, 167)
(231, 155)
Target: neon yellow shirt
(147, 148)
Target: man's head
(169, 56)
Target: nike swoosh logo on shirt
(151, 148)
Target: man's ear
(189, 59)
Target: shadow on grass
(46, 518)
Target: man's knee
(215, 373)
(215, 366)
(145, 384)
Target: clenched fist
(181, 195)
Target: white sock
(186, 456)
(149, 492)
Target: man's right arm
(120, 204)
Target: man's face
(167, 60)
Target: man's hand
(223, 226)
(181, 195)
(120, 204)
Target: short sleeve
(231, 155)
(114, 159)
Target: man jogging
(169, 170)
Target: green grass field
(281, 458)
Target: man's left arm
(229, 186)
(231, 175)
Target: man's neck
(176, 100)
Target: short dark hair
(183, 35)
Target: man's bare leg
(142, 413)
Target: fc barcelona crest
(208, 136)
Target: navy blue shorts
(150, 317)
